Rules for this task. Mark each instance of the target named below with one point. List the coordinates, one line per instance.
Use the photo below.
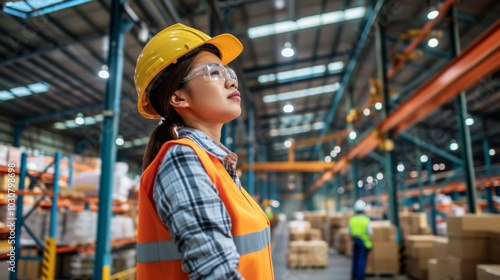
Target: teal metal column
(463, 129)
(102, 264)
(55, 196)
(352, 142)
(487, 163)
(251, 151)
(336, 194)
(18, 132)
(71, 163)
(420, 182)
(18, 219)
(428, 165)
(390, 163)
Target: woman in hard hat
(195, 219)
(360, 231)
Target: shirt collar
(209, 145)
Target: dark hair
(161, 90)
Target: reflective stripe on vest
(166, 250)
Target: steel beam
(463, 129)
(285, 166)
(102, 264)
(351, 66)
(429, 147)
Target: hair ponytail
(162, 133)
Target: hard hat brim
(229, 47)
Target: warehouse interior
(395, 102)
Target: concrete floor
(339, 266)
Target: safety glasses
(214, 72)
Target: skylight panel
(32, 8)
(5, 95)
(305, 22)
(20, 91)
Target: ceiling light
(337, 149)
(442, 166)
(333, 154)
(288, 108)
(305, 22)
(352, 135)
(300, 93)
(79, 120)
(369, 179)
(492, 152)
(119, 140)
(435, 167)
(366, 112)
(328, 159)
(287, 50)
(433, 13)
(279, 4)
(104, 72)
(433, 42)
(469, 121)
(288, 143)
(378, 106)
(401, 167)
(380, 176)
(340, 190)
(424, 158)
(335, 66)
(453, 145)
(360, 184)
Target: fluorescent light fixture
(300, 93)
(360, 184)
(119, 141)
(296, 129)
(24, 91)
(32, 8)
(337, 149)
(469, 121)
(287, 50)
(352, 135)
(79, 121)
(380, 176)
(104, 74)
(366, 112)
(378, 106)
(453, 145)
(287, 143)
(302, 73)
(305, 22)
(333, 154)
(369, 179)
(492, 152)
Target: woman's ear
(178, 99)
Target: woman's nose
(230, 82)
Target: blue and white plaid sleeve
(188, 203)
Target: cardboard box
(472, 225)
(470, 248)
(389, 266)
(433, 269)
(495, 247)
(488, 272)
(459, 269)
(417, 268)
(441, 248)
(385, 250)
(422, 251)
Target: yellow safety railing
(128, 274)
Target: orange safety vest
(157, 255)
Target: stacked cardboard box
(313, 253)
(438, 265)
(318, 220)
(384, 256)
(414, 224)
(488, 272)
(419, 249)
(343, 242)
(297, 230)
(495, 247)
(334, 223)
(469, 244)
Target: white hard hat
(359, 205)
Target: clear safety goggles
(214, 72)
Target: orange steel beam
(298, 166)
(479, 60)
(421, 36)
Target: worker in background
(360, 231)
(196, 221)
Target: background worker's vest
(358, 226)
(157, 254)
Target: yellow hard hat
(169, 45)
